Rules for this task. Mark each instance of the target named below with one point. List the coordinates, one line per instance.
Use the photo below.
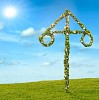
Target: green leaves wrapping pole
(66, 32)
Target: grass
(80, 89)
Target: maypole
(66, 32)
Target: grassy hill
(80, 89)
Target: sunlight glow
(10, 12)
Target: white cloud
(46, 64)
(28, 32)
(14, 38)
(8, 37)
(14, 62)
(1, 26)
(49, 63)
(2, 61)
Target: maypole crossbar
(66, 32)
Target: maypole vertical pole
(66, 55)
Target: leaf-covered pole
(66, 32)
(66, 55)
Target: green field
(80, 89)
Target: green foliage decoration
(66, 32)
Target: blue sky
(24, 59)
